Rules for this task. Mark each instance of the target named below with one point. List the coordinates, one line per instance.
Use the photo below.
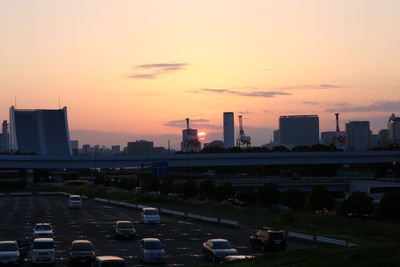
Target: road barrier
(2, 194)
(321, 239)
(173, 212)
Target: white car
(217, 249)
(151, 250)
(109, 261)
(42, 230)
(9, 252)
(43, 250)
(75, 201)
(149, 215)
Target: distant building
(40, 131)
(75, 147)
(358, 136)
(383, 138)
(160, 150)
(141, 147)
(5, 139)
(215, 143)
(116, 150)
(335, 138)
(299, 130)
(229, 130)
(394, 129)
(190, 141)
(373, 140)
(277, 136)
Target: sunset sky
(134, 69)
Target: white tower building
(229, 130)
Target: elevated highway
(198, 160)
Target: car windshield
(75, 198)
(222, 245)
(113, 264)
(8, 247)
(152, 245)
(276, 236)
(125, 225)
(43, 245)
(81, 247)
(43, 227)
(150, 212)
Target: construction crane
(242, 140)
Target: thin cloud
(312, 103)
(321, 86)
(382, 106)
(268, 94)
(157, 70)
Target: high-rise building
(5, 140)
(394, 129)
(75, 147)
(229, 130)
(299, 130)
(40, 131)
(358, 135)
(141, 147)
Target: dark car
(267, 239)
(82, 251)
(124, 229)
(217, 249)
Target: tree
(294, 198)
(321, 198)
(207, 188)
(151, 184)
(189, 189)
(166, 186)
(99, 178)
(225, 191)
(247, 195)
(389, 206)
(358, 203)
(268, 194)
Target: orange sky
(136, 67)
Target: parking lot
(182, 239)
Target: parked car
(43, 250)
(24, 248)
(81, 251)
(75, 201)
(109, 261)
(217, 249)
(124, 229)
(267, 239)
(236, 258)
(149, 215)
(151, 250)
(9, 252)
(43, 230)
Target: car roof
(81, 241)
(42, 224)
(151, 240)
(8, 242)
(149, 208)
(74, 196)
(43, 239)
(124, 222)
(109, 258)
(218, 240)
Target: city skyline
(140, 69)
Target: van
(43, 250)
(149, 215)
(75, 201)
